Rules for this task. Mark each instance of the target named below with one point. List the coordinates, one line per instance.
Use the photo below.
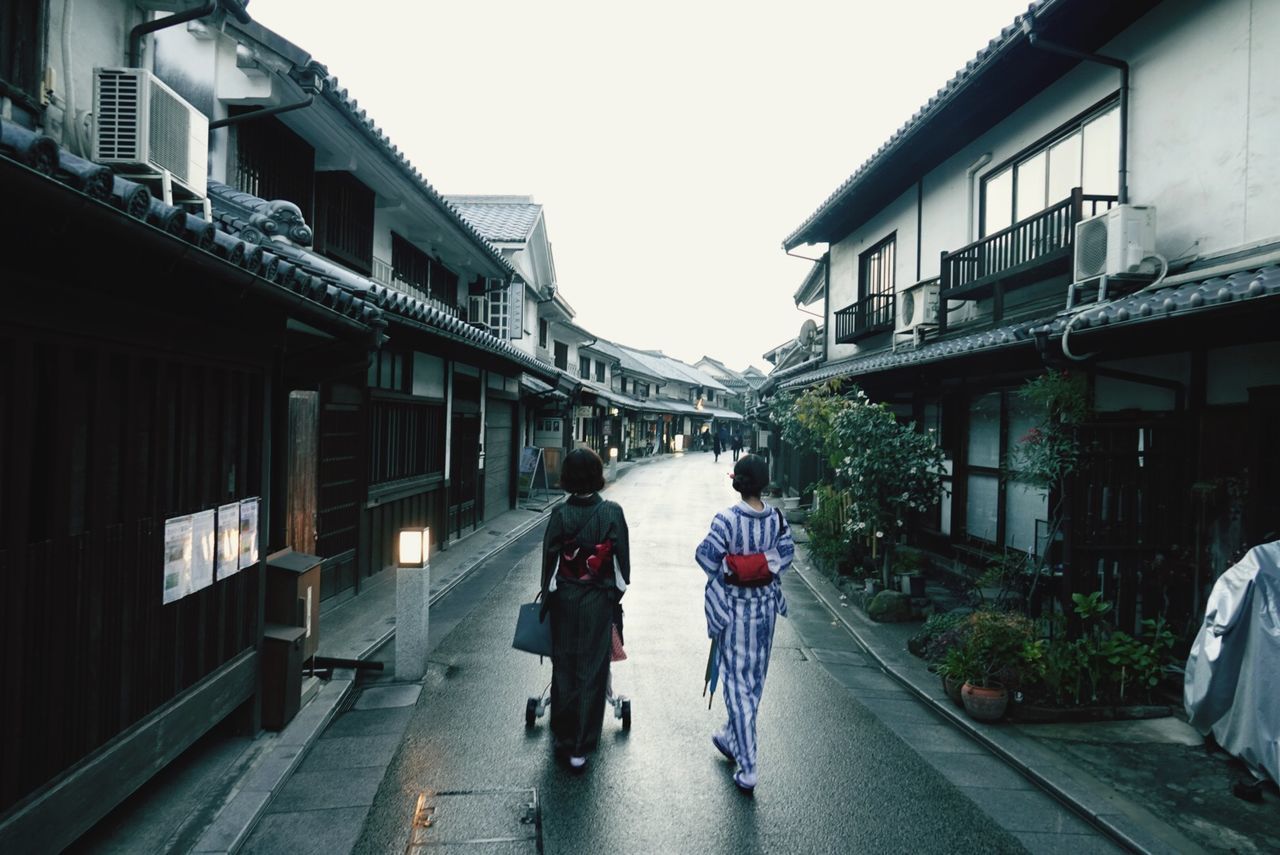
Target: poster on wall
(177, 558)
(248, 533)
(202, 549)
(228, 540)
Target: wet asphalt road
(832, 777)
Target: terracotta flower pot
(951, 685)
(984, 703)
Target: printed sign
(532, 472)
(248, 533)
(202, 550)
(177, 558)
(228, 540)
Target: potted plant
(957, 667)
(1002, 644)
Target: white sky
(672, 145)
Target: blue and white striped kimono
(742, 619)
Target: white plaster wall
(98, 37)
(900, 215)
(1204, 120)
(1232, 370)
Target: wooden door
(300, 522)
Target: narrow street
(833, 777)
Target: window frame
(1043, 144)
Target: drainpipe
(1028, 26)
(261, 114)
(136, 34)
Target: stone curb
(1126, 823)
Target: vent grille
(907, 300)
(117, 116)
(1091, 248)
(170, 133)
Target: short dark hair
(751, 475)
(583, 472)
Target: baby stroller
(536, 708)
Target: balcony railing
(1022, 252)
(384, 274)
(870, 315)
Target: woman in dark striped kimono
(747, 549)
(586, 567)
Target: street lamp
(414, 547)
(413, 593)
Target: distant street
(832, 777)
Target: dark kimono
(581, 617)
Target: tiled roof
(602, 391)
(96, 182)
(984, 58)
(504, 219)
(1201, 297)
(232, 211)
(341, 98)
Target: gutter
(1040, 43)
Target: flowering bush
(885, 469)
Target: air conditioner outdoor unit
(145, 129)
(1115, 242)
(918, 307)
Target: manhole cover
(508, 821)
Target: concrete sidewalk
(1094, 769)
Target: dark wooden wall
(99, 444)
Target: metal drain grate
(509, 820)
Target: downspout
(261, 114)
(1028, 25)
(137, 33)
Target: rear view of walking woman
(586, 567)
(746, 551)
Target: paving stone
(968, 770)
(382, 697)
(902, 710)
(330, 789)
(391, 720)
(306, 832)
(843, 657)
(1067, 844)
(351, 752)
(1026, 810)
(867, 682)
(232, 821)
(934, 737)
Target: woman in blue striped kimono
(747, 549)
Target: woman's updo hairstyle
(751, 475)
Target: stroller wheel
(530, 712)
(626, 715)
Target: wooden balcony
(868, 316)
(1029, 250)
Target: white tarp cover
(1232, 687)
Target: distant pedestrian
(717, 447)
(737, 446)
(586, 567)
(745, 553)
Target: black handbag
(533, 629)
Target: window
(498, 316)
(1000, 511)
(410, 263)
(1085, 153)
(344, 220)
(584, 368)
(542, 332)
(562, 355)
(272, 162)
(599, 370)
(389, 370)
(21, 47)
(875, 269)
(623, 389)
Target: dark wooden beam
(55, 816)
